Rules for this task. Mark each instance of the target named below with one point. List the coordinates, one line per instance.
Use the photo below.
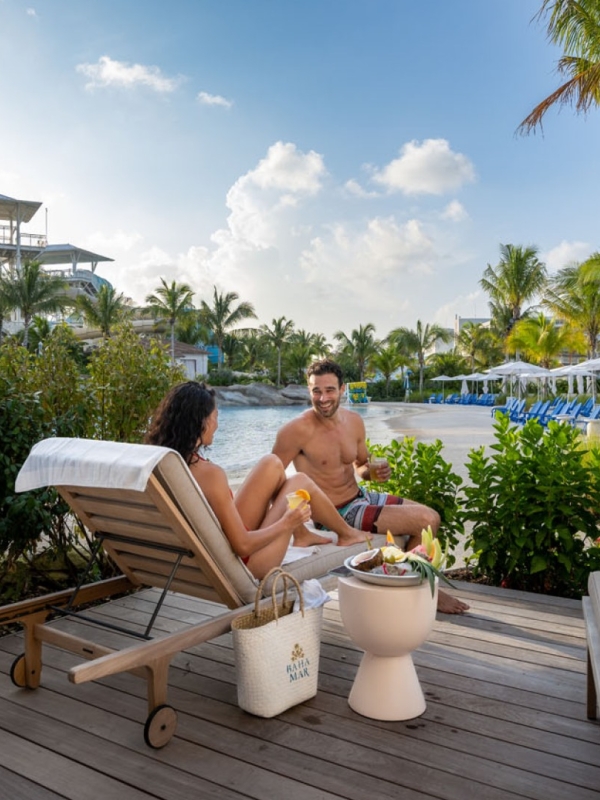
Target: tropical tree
(542, 340)
(222, 316)
(277, 336)
(573, 25)
(417, 342)
(518, 277)
(360, 346)
(476, 342)
(171, 302)
(303, 348)
(105, 310)
(387, 360)
(33, 291)
(190, 328)
(6, 305)
(573, 296)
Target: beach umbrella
(443, 378)
(520, 369)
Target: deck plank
(505, 717)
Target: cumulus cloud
(214, 100)
(455, 212)
(108, 72)
(31, 12)
(278, 182)
(430, 167)
(564, 254)
(353, 187)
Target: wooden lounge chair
(143, 506)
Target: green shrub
(420, 473)
(534, 508)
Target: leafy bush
(420, 473)
(534, 508)
(127, 380)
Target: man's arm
(361, 465)
(286, 445)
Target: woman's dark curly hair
(180, 418)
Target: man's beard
(331, 409)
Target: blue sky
(336, 162)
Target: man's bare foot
(303, 537)
(354, 537)
(450, 605)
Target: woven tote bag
(277, 651)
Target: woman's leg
(254, 497)
(323, 510)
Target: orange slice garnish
(303, 494)
(389, 538)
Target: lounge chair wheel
(160, 726)
(18, 672)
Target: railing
(8, 235)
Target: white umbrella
(520, 369)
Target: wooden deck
(505, 689)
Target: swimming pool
(245, 434)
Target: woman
(257, 521)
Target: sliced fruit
(390, 538)
(303, 494)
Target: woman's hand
(294, 517)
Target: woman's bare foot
(450, 605)
(303, 537)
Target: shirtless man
(328, 443)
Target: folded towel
(86, 462)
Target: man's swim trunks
(362, 512)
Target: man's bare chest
(330, 448)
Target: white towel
(87, 462)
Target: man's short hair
(325, 366)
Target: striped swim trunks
(362, 512)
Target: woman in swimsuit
(257, 521)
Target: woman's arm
(215, 486)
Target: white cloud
(566, 253)
(427, 168)
(353, 187)
(31, 12)
(259, 198)
(108, 72)
(455, 212)
(214, 100)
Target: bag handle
(278, 572)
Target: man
(328, 443)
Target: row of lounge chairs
(465, 399)
(573, 412)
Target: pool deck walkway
(504, 684)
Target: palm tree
(387, 360)
(518, 277)
(477, 344)
(277, 336)
(171, 302)
(223, 316)
(360, 346)
(305, 346)
(573, 296)
(419, 341)
(190, 328)
(6, 305)
(542, 340)
(576, 27)
(33, 291)
(104, 310)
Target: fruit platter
(392, 566)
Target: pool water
(245, 434)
